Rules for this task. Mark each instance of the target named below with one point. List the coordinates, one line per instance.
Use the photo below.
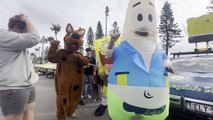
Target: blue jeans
(87, 84)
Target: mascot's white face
(140, 28)
(140, 21)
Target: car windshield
(195, 64)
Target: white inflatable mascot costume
(138, 83)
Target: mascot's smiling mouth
(144, 34)
(106, 62)
(138, 110)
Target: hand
(170, 69)
(55, 43)
(114, 37)
(22, 17)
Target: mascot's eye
(140, 17)
(150, 17)
(75, 36)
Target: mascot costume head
(73, 39)
(137, 83)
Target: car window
(196, 64)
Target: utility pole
(43, 40)
(106, 15)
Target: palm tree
(56, 28)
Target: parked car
(47, 69)
(191, 87)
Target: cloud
(86, 13)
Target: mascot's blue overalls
(137, 83)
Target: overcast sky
(85, 13)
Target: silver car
(191, 87)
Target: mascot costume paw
(69, 71)
(138, 83)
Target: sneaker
(82, 102)
(89, 96)
(71, 115)
(97, 100)
(100, 110)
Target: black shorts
(99, 81)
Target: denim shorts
(14, 101)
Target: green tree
(90, 37)
(115, 28)
(99, 31)
(168, 30)
(56, 28)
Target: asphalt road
(46, 107)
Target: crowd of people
(76, 73)
(17, 89)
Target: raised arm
(23, 38)
(108, 49)
(29, 26)
(53, 54)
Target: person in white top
(17, 75)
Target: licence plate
(199, 107)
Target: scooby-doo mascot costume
(69, 71)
